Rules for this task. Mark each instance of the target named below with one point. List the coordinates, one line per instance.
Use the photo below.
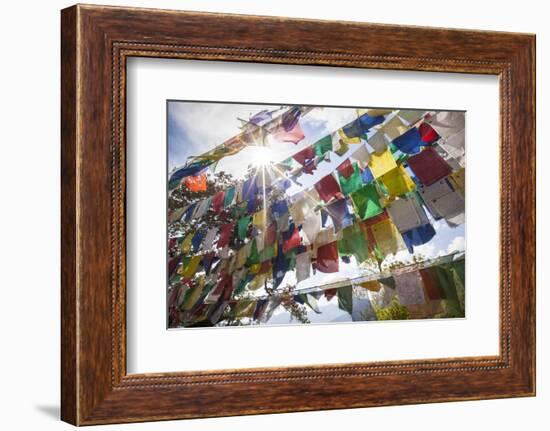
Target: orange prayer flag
(196, 183)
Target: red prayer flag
(330, 293)
(427, 133)
(345, 169)
(217, 201)
(225, 234)
(271, 234)
(429, 166)
(307, 153)
(292, 242)
(328, 188)
(327, 258)
(196, 183)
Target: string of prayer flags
(366, 201)
(327, 258)
(428, 166)
(381, 163)
(345, 299)
(328, 188)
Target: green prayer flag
(268, 253)
(323, 145)
(446, 282)
(345, 299)
(353, 183)
(228, 197)
(254, 256)
(354, 243)
(366, 202)
(242, 227)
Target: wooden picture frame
(95, 43)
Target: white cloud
(457, 244)
(330, 119)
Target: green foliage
(395, 311)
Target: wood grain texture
(96, 41)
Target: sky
(196, 127)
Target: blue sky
(196, 127)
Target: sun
(260, 156)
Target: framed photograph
(322, 214)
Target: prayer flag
(381, 163)
(387, 237)
(378, 142)
(397, 181)
(410, 115)
(432, 289)
(323, 146)
(327, 258)
(291, 239)
(354, 243)
(427, 133)
(409, 288)
(409, 142)
(312, 226)
(352, 182)
(418, 236)
(196, 183)
(226, 231)
(362, 156)
(190, 266)
(345, 299)
(217, 201)
(328, 188)
(242, 227)
(338, 212)
(407, 213)
(308, 153)
(345, 169)
(303, 266)
(394, 128)
(428, 166)
(366, 201)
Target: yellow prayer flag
(458, 180)
(191, 268)
(186, 243)
(387, 237)
(398, 182)
(257, 282)
(373, 286)
(259, 219)
(381, 163)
